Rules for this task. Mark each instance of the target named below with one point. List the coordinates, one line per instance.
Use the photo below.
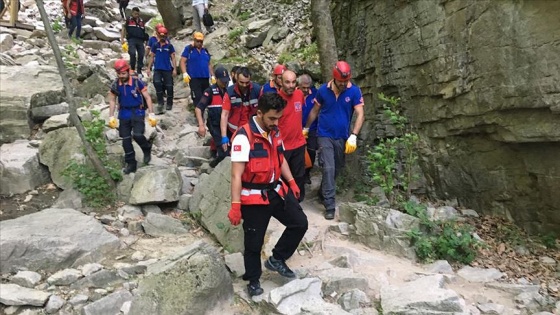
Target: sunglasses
(197, 41)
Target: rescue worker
(196, 67)
(75, 9)
(131, 93)
(276, 80)
(233, 74)
(212, 98)
(122, 8)
(163, 59)
(305, 84)
(153, 39)
(199, 8)
(134, 32)
(335, 104)
(289, 124)
(240, 103)
(258, 193)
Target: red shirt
(290, 122)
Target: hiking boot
(147, 157)
(130, 168)
(329, 214)
(214, 163)
(279, 266)
(254, 288)
(168, 107)
(308, 180)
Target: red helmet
(279, 69)
(162, 31)
(342, 71)
(158, 26)
(121, 65)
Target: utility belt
(264, 188)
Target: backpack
(207, 19)
(115, 90)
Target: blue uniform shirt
(197, 62)
(336, 113)
(130, 98)
(307, 107)
(162, 58)
(268, 87)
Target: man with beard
(294, 142)
(335, 104)
(258, 193)
(131, 93)
(212, 98)
(196, 67)
(240, 103)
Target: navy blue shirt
(162, 58)
(130, 98)
(336, 111)
(197, 62)
(307, 107)
(269, 87)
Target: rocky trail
(168, 248)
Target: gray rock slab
(235, 264)
(491, 309)
(184, 202)
(69, 199)
(513, 288)
(111, 304)
(156, 184)
(20, 170)
(423, 296)
(161, 225)
(13, 294)
(89, 269)
(53, 239)
(28, 279)
(57, 149)
(341, 280)
(479, 274)
(151, 209)
(78, 299)
(440, 266)
(54, 304)
(129, 212)
(100, 279)
(353, 299)
(64, 277)
(293, 296)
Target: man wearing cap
(162, 56)
(196, 67)
(212, 98)
(276, 80)
(335, 104)
(135, 33)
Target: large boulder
(210, 203)
(53, 239)
(16, 96)
(20, 170)
(380, 228)
(156, 184)
(58, 148)
(486, 102)
(192, 281)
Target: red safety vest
(265, 161)
(242, 106)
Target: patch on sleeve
(237, 148)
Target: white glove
(351, 144)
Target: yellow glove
(213, 80)
(186, 78)
(113, 122)
(125, 47)
(305, 132)
(351, 145)
(152, 120)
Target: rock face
(481, 79)
(57, 150)
(193, 281)
(55, 239)
(211, 201)
(155, 184)
(17, 97)
(20, 170)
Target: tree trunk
(323, 28)
(170, 16)
(74, 119)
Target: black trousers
(122, 8)
(216, 134)
(133, 127)
(312, 147)
(163, 80)
(136, 51)
(255, 223)
(296, 161)
(198, 85)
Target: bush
(84, 177)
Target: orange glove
(234, 214)
(294, 187)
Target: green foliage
(70, 55)
(549, 240)
(84, 177)
(285, 57)
(235, 33)
(309, 53)
(449, 240)
(57, 25)
(154, 21)
(392, 161)
(243, 16)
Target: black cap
(221, 74)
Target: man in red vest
(258, 193)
